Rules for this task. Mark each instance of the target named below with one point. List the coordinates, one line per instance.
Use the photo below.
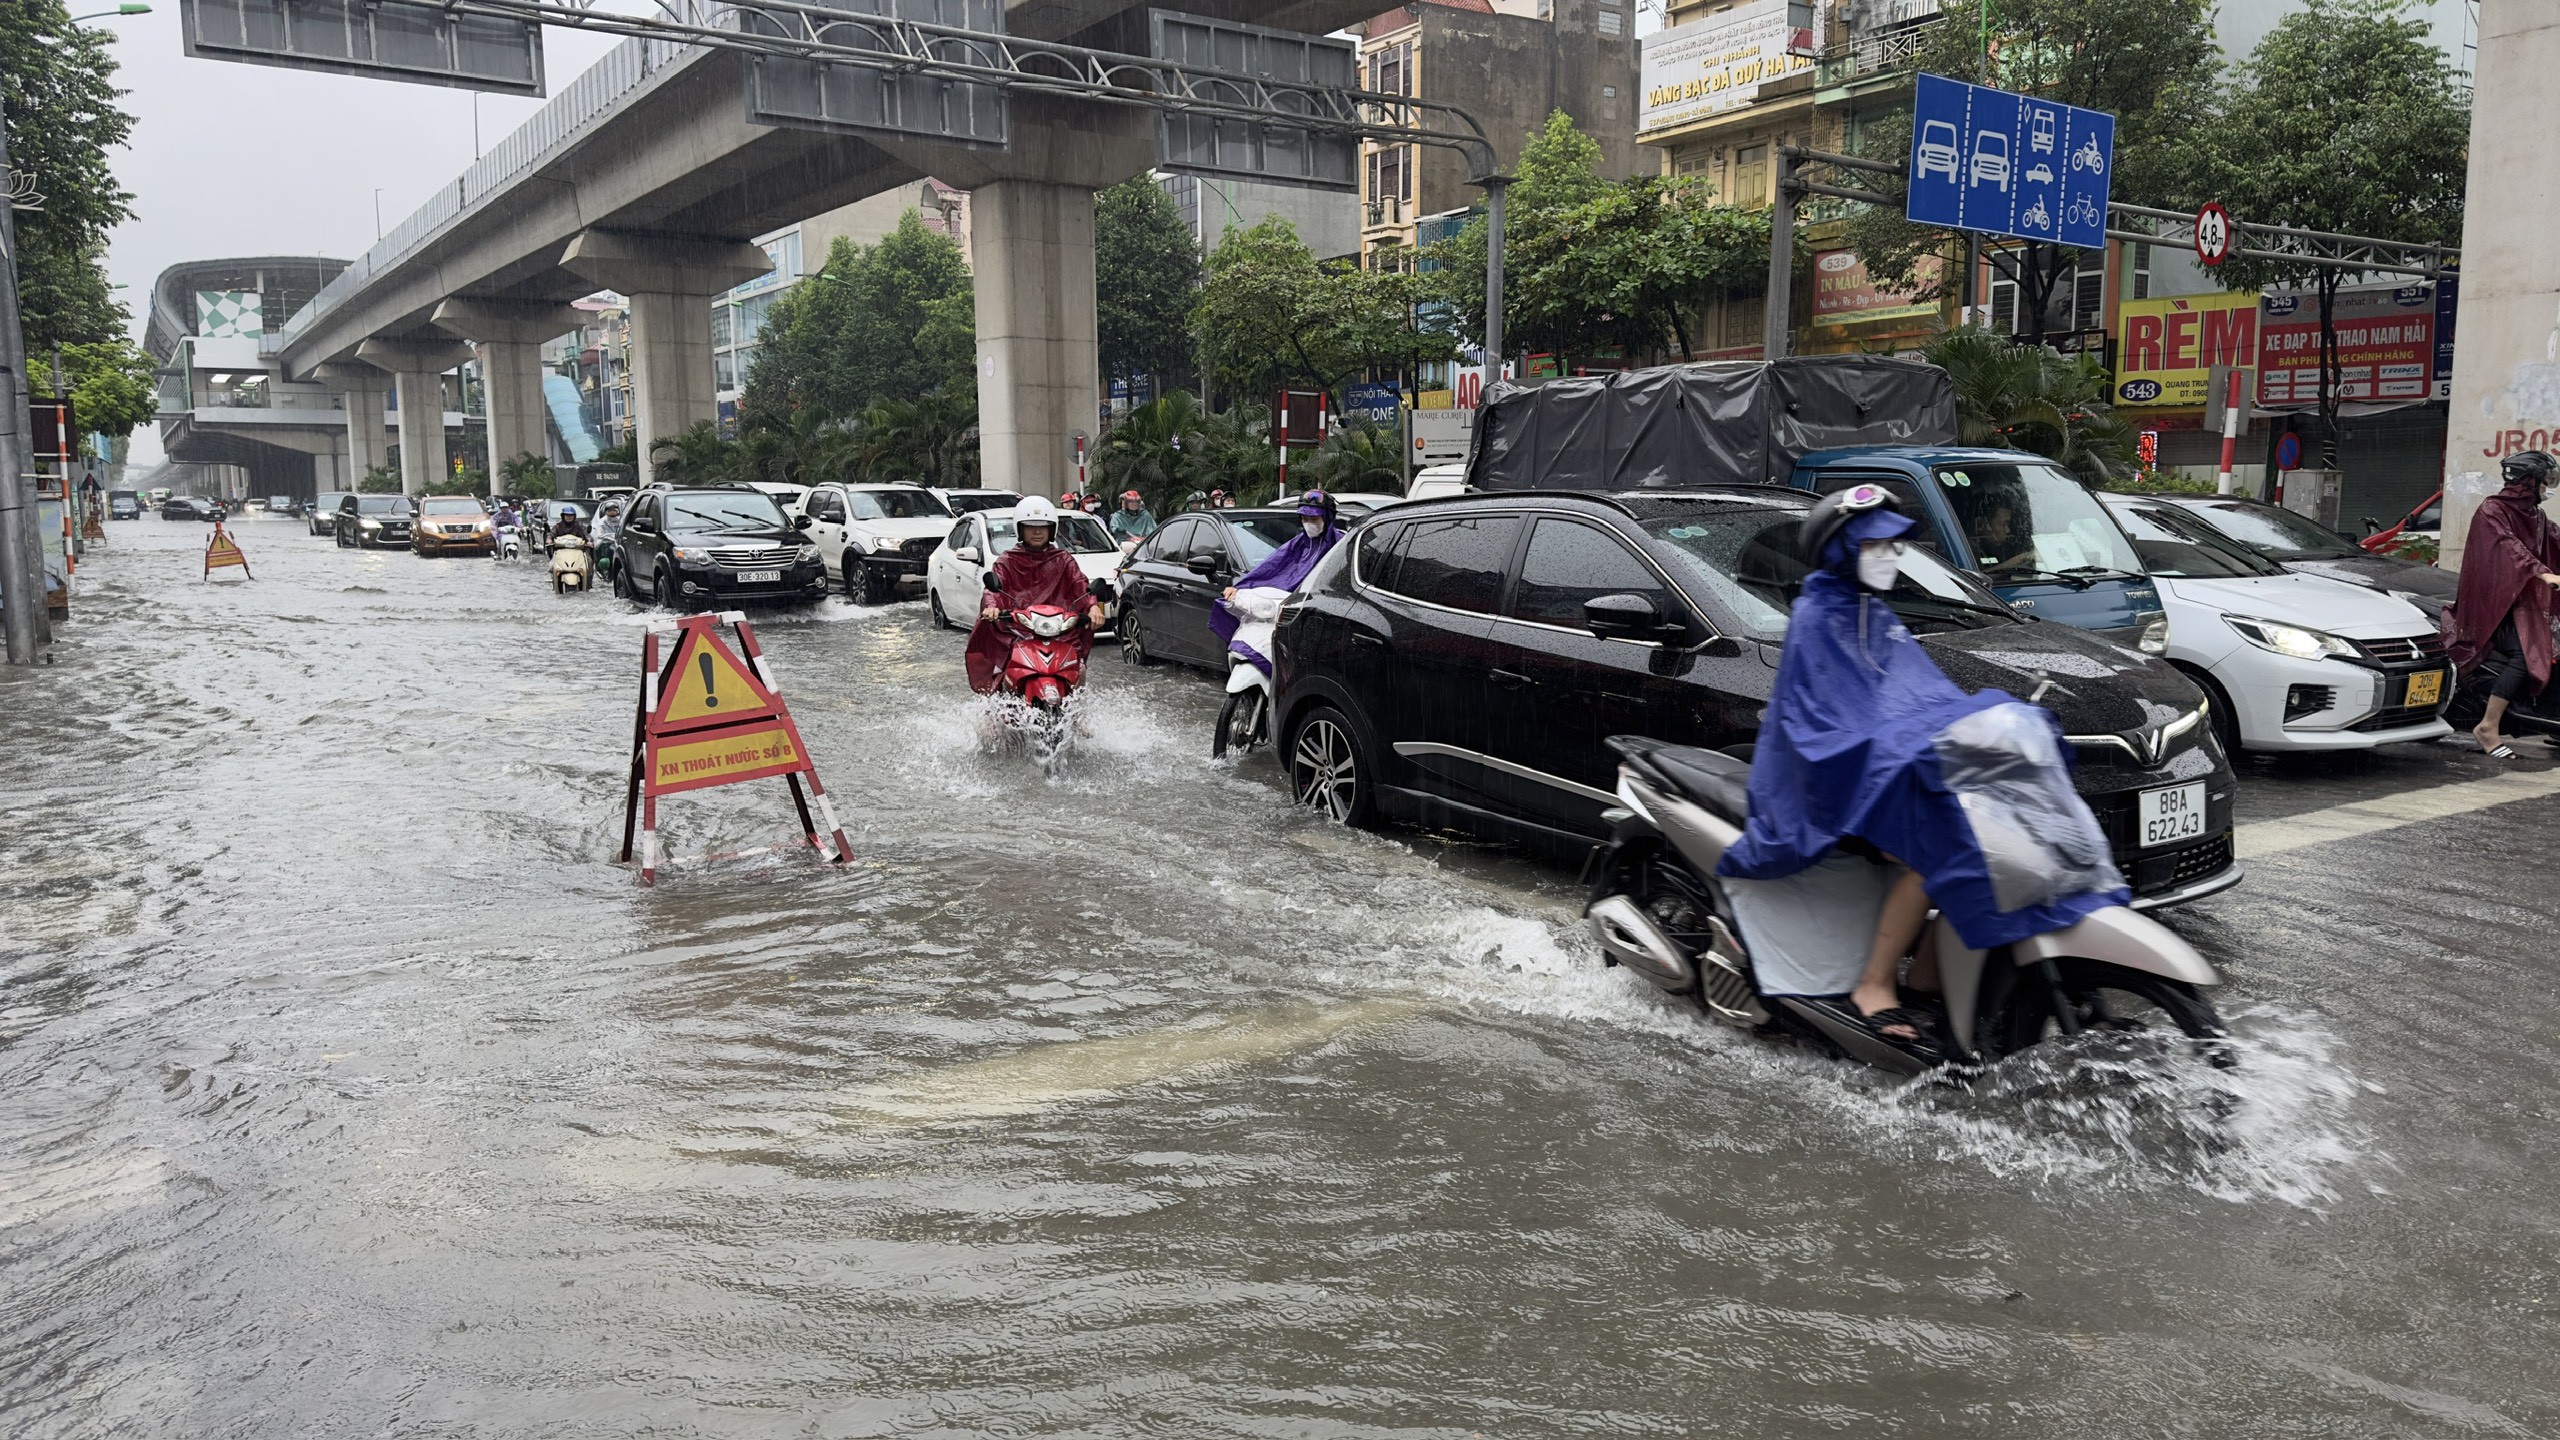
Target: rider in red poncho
(2502, 610)
(1036, 571)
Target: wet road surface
(354, 1092)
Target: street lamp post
(130, 7)
(21, 562)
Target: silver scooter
(1658, 908)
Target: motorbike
(510, 544)
(1245, 720)
(1658, 908)
(1044, 664)
(572, 568)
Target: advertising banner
(2386, 345)
(1368, 403)
(1710, 66)
(2170, 345)
(1844, 295)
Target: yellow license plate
(2425, 689)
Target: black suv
(365, 521)
(1461, 662)
(699, 547)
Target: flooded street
(355, 1091)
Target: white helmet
(1035, 510)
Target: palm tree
(1234, 453)
(529, 476)
(809, 448)
(697, 456)
(1155, 450)
(930, 440)
(2030, 397)
(1361, 457)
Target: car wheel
(933, 601)
(2219, 712)
(663, 591)
(1133, 639)
(878, 586)
(1330, 768)
(622, 583)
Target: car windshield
(896, 505)
(2273, 531)
(449, 507)
(382, 504)
(1259, 535)
(731, 510)
(1745, 559)
(2033, 520)
(1081, 534)
(2175, 546)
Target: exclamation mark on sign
(710, 692)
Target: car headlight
(688, 555)
(884, 544)
(808, 554)
(370, 524)
(2155, 637)
(2291, 640)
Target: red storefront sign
(2386, 345)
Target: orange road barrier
(712, 716)
(222, 550)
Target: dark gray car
(2306, 547)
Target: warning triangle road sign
(222, 550)
(707, 684)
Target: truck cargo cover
(1723, 423)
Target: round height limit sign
(2213, 234)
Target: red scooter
(1044, 664)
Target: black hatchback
(1169, 583)
(694, 548)
(1461, 663)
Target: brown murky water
(353, 1092)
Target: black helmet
(2530, 465)
(1836, 510)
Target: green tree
(890, 321)
(1233, 452)
(930, 440)
(1155, 450)
(529, 476)
(2030, 397)
(1269, 315)
(2349, 120)
(380, 480)
(111, 387)
(1590, 263)
(805, 448)
(57, 81)
(1357, 458)
(694, 456)
(1147, 270)
(2152, 64)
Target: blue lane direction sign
(2007, 164)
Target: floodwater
(354, 1091)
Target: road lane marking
(2261, 838)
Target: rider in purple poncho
(1283, 569)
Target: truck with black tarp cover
(1824, 423)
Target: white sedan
(953, 578)
(2292, 662)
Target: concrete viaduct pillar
(361, 389)
(669, 282)
(417, 367)
(511, 335)
(1039, 371)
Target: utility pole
(21, 560)
(1494, 186)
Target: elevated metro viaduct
(645, 177)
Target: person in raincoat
(1247, 610)
(2502, 609)
(1867, 744)
(1035, 571)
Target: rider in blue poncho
(1865, 739)
(1243, 621)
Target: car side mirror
(800, 522)
(968, 553)
(1204, 566)
(1622, 617)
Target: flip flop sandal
(1917, 1044)
(2503, 752)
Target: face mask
(1879, 561)
(1313, 528)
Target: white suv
(872, 537)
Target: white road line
(2260, 838)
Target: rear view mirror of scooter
(1101, 589)
(989, 580)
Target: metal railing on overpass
(622, 70)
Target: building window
(724, 371)
(1751, 176)
(1391, 69)
(2140, 278)
(2004, 305)
(724, 325)
(2088, 300)
(1612, 24)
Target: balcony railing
(1389, 211)
(1874, 52)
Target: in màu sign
(711, 715)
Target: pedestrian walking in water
(2502, 610)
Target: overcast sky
(232, 159)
